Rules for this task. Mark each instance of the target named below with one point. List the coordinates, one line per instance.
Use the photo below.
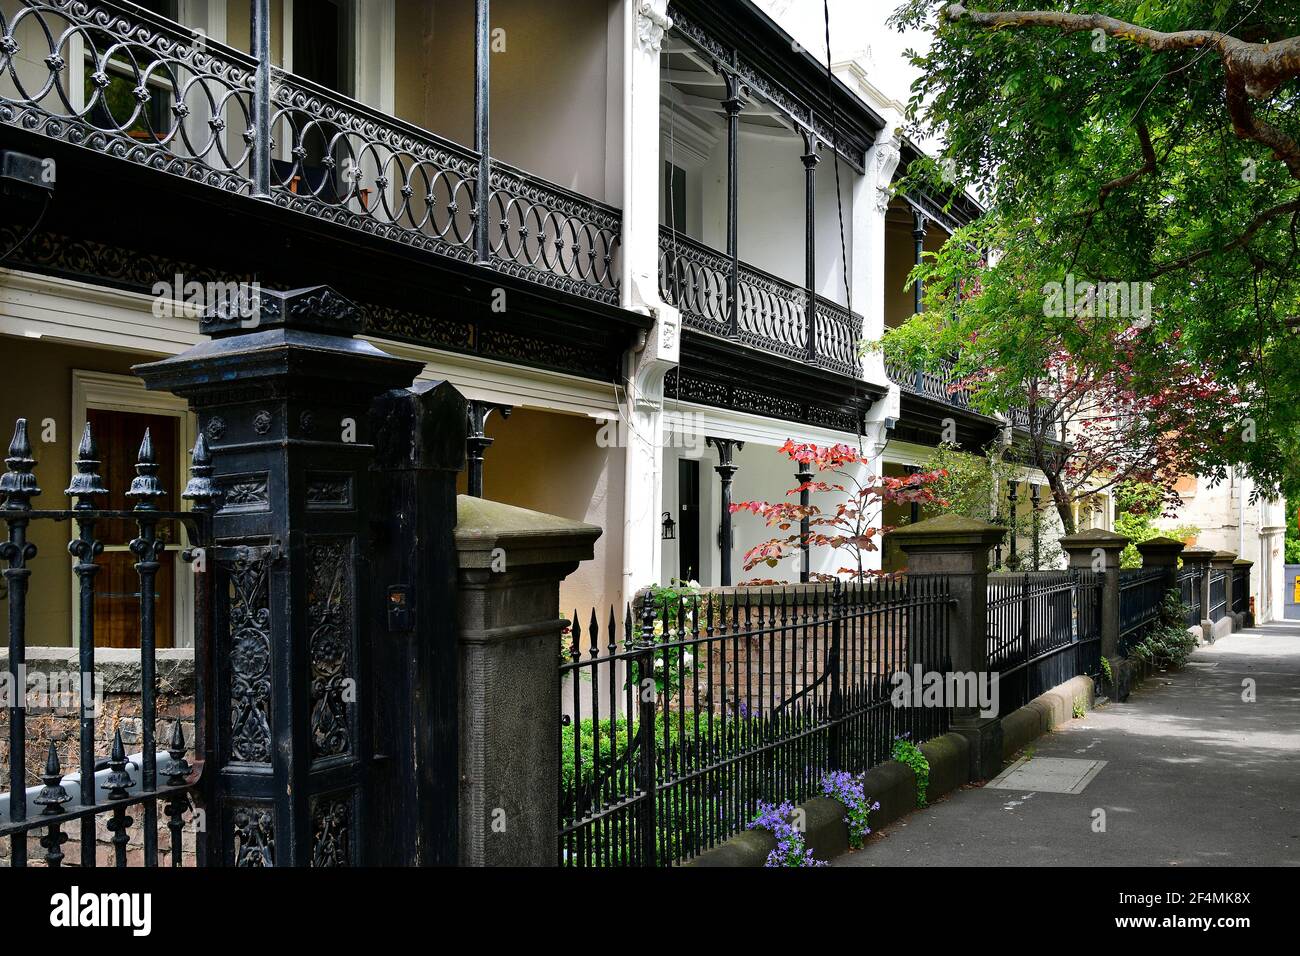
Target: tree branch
(1254, 70)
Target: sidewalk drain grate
(1047, 775)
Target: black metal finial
(145, 486)
(200, 488)
(119, 781)
(18, 484)
(180, 768)
(86, 483)
(52, 796)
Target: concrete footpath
(1193, 776)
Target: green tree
(1138, 507)
(1137, 267)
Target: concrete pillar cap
(1223, 559)
(1243, 562)
(525, 537)
(948, 531)
(1094, 538)
(1196, 553)
(1159, 544)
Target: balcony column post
(803, 476)
(918, 252)
(482, 139)
(726, 469)
(477, 442)
(810, 160)
(733, 104)
(260, 38)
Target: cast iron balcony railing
(938, 385)
(772, 313)
(121, 81)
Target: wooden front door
(117, 586)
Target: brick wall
(53, 715)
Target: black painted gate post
(282, 391)
(420, 448)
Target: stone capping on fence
(511, 562)
(1199, 558)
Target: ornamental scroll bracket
(652, 22)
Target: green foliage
(1106, 671)
(1080, 707)
(1053, 129)
(1168, 644)
(1292, 541)
(975, 486)
(1139, 504)
(672, 816)
(908, 753)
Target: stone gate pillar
(1222, 563)
(511, 563)
(282, 390)
(1199, 558)
(958, 548)
(1098, 551)
(1162, 553)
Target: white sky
(858, 30)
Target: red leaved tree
(852, 524)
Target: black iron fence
(1043, 628)
(1140, 592)
(106, 786)
(679, 721)
(1189, 591)
(1218, 595)
(1241, 589)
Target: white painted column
(870, 203)
(645, 22)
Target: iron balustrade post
(803, 476)
(835, 744)
(18, 486)
(1011, 523)
(145, 489)
(733, 104)
(645, 691)
(85, 487)
(1026, 630)
(482, 130)
(1033, 520)
(918, 254)
(477, 443)
(810, 160)
(726, 469)
(283, 403)
(260, 38)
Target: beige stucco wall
(549, 84)
(553, 463)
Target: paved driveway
(1194, 775)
